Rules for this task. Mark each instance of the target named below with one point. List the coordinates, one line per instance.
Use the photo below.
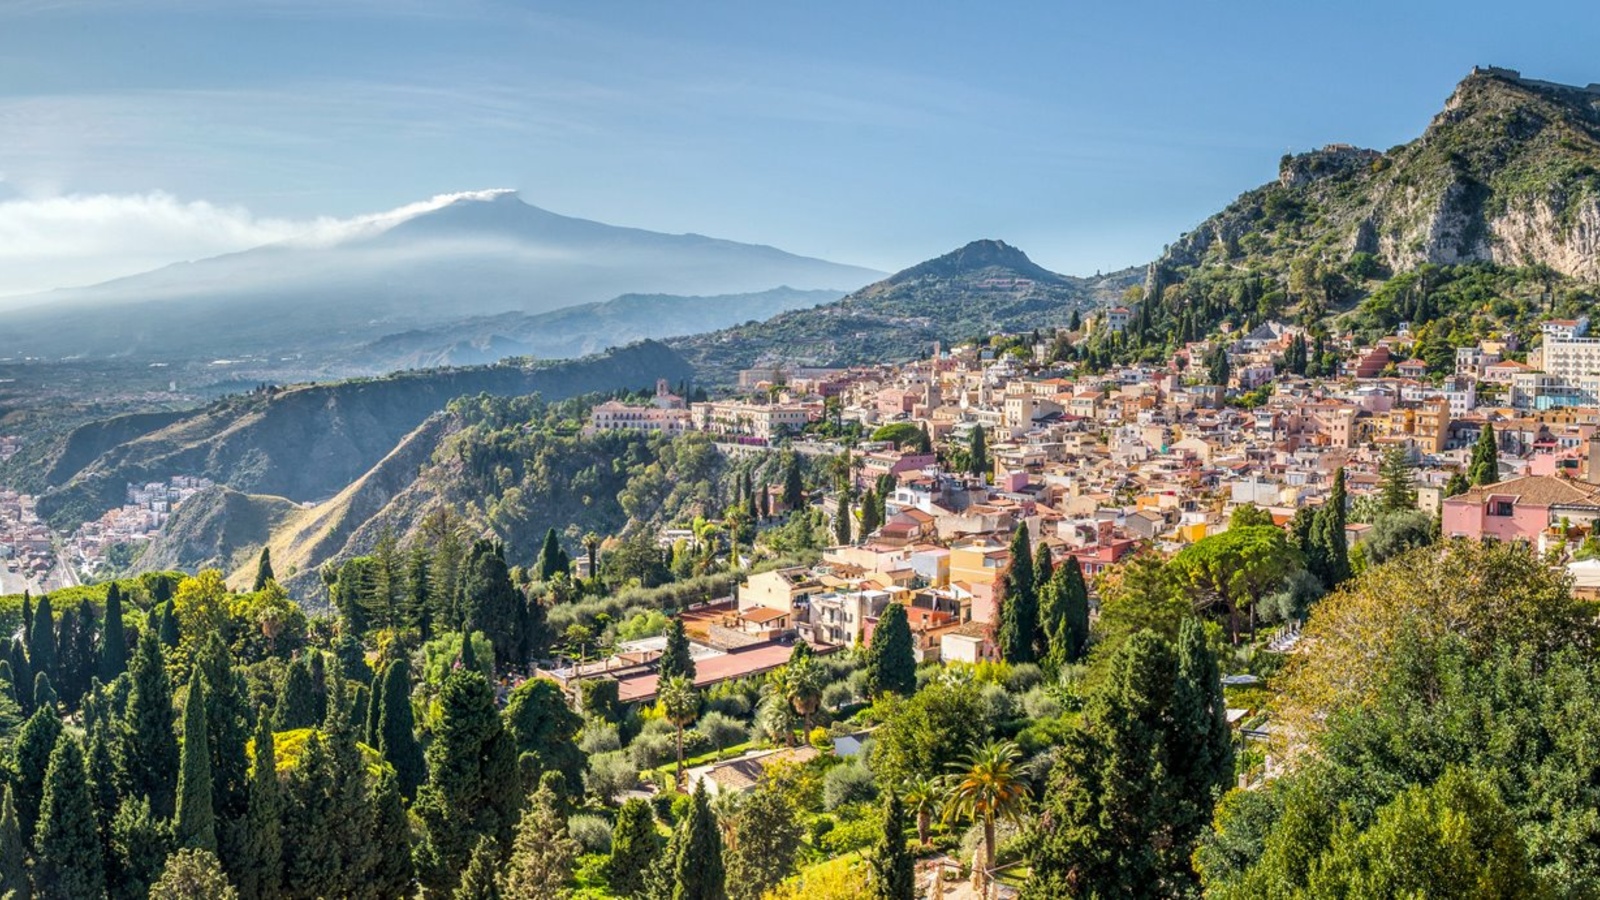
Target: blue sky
(142, 131)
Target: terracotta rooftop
(1535, 490)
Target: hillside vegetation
(308, 442)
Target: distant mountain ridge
(480, 255)
(984, 287)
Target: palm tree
(680, 703)
(987, 786)
(922, 797)
(801, 683)
(591, 546)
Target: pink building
(1519, 509)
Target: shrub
(599, 737)
(850, 782)
(720, 731)
(592, 832)
(610, 774)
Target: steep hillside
(349, 523)
(217, 528)
(1505, 182)
(307, 443)
(985, 287)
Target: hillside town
(1102, 466)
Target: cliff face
(1507, 172)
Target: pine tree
(480, 879)
(67, 855)
(697, 870)
(13, 852)
(893, 868)
(542, 852)
(113, 639)
(841, 521)
(30, 755)
(978, 464)
(42, 640)
(676, 659)
(196, 825)
(634, 845)
(263, 569)
(391, 868)
(1397, 489)
(1485, 466)
(891, 660)
(296, 699)
(1019, 606)
(794, 491)
(261, 866)
(545, 729)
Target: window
(1501, 508)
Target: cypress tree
(891, 659)
(1485, 466)
(317, 675)
(21, 675)
(113, 639)
(352, 809)
(634, 845)
(471, 761)
(469, 655)
(76, 661)
(374, 707)
(397, 739)
(140, 845)
(103, 785)
(1202, 757)
(1072, 634)
(263, 570)
(549, 563)
(978, 464)
(1044, 565)
(13, 852)
(196, 825)
(391, 868)
(676, 658)
(150, 747)
(893, 868)
(490, 601)
(841, 521)
(30, 756)
(311, 858)
(228, 716)
(67, 855)
(698, 870)
(794, 490)
(297, 704)
(1328, 534)
(869, 513)
(168, 625)
(480, 881)
(42, 639)
(1019, 609)
(193, 875)
(261, 866)
(542, 851)
(765, 505)
(27, 618)
(44, 694)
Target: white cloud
(78, 239)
